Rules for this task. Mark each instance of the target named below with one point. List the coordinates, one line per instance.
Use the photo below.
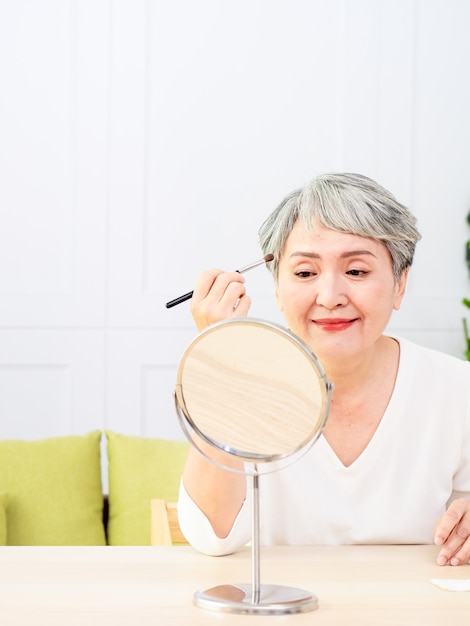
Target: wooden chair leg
(160, 529)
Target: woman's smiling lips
(334, 324)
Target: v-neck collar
(394, 407)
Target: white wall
(143, 141)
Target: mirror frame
(191, 428)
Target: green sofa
(51, 489)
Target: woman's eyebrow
(357, 253)
(310, 255)
(344, 255)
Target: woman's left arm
(452, 532)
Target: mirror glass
(253, 390)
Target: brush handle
(189, 295)
(179, 300)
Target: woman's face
(337, 291)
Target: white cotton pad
(451, 584)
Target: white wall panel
(35, 400)
(51, 383)
(159, 417)
(440, 184)
(128, 169)
(53, 158)
(141, 377)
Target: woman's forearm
(217, 492)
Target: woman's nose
(330, 292)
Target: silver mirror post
(256, 599)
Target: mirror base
(273, 600)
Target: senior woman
(392, 464)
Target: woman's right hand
(218, 295)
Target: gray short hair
(346, 203)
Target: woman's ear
(400, 289)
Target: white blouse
(416, 463)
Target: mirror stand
(232, 371)
(256, 598)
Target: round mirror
(253, 390)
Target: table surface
(363, 585)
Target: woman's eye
(304, 274)
(356, 272)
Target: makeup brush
(242, 270)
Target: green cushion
(139, 469)
(3, 519)
(54, 490)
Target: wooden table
(140, 586)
